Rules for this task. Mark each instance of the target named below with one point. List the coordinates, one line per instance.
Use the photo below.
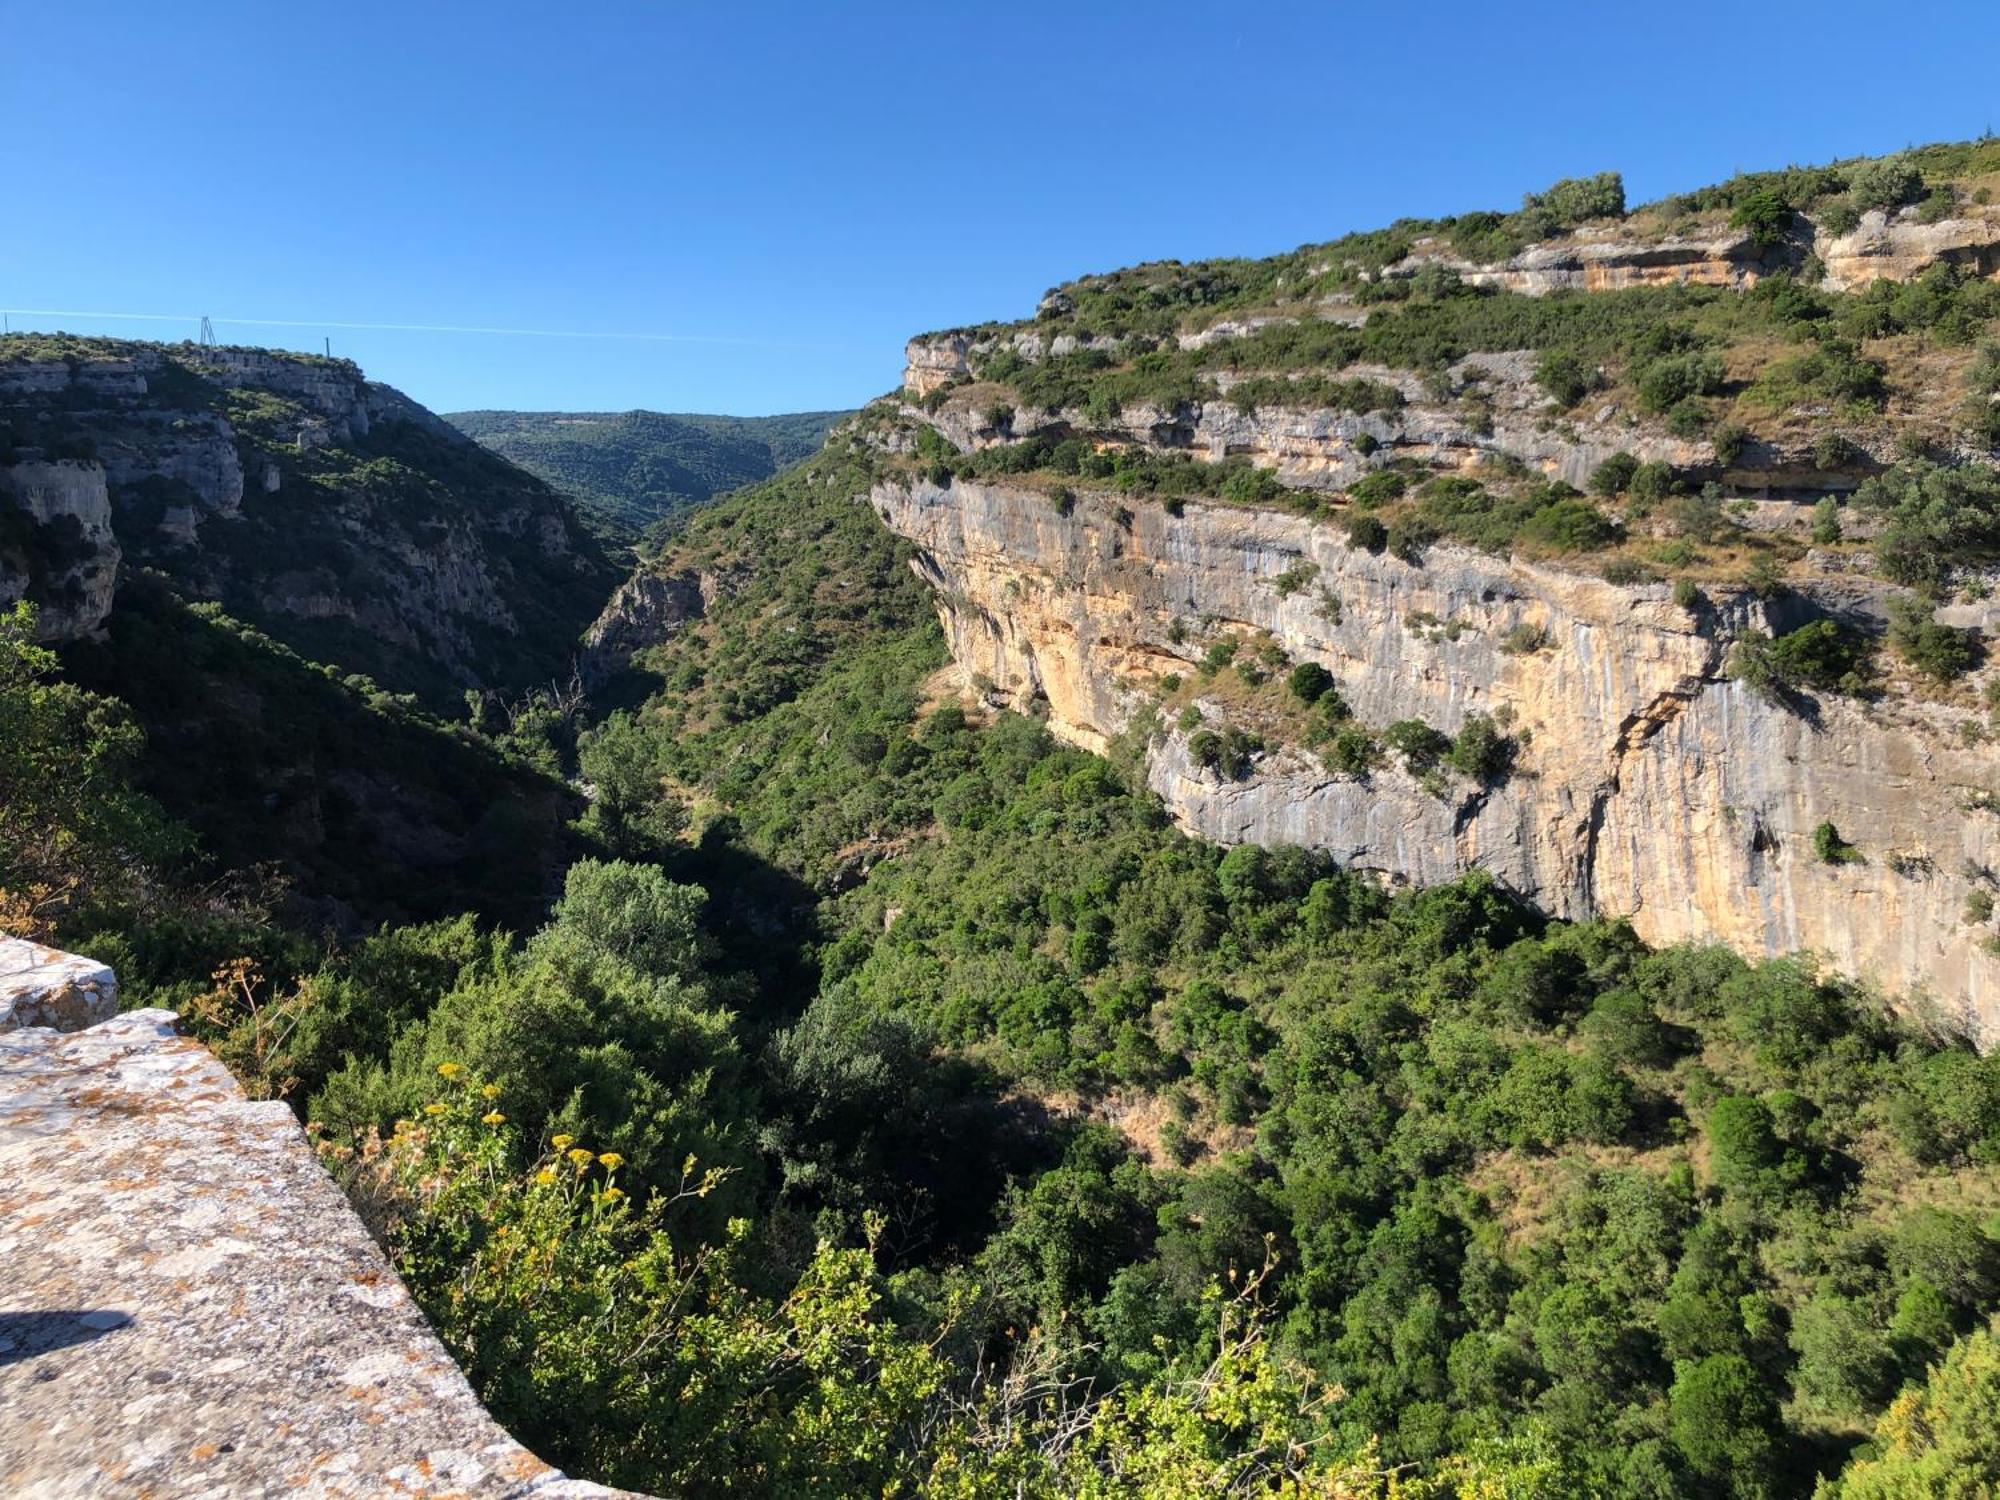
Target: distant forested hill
(647, 466)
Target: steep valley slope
(1147, 509)
(326, 509)
(293, 576)
(641, 468)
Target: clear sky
(779, 194)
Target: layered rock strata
(1647, 784)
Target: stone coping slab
(41, 986)
(192, 1308)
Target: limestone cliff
(1711, 368)
(329, 510)
(1881, 247)
(1647, 784)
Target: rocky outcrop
(1491, 407)
(1602, 261)
(196, 1310)
(329, 510)
(1646, 785)
(1882, 248)
(935, 360)
(648, 608)
(1888, 247)
(41, 986)
(60, 549)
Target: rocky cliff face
(57, 545)
(647, 609)
(1647, 784)
(331, 511)
(1881, 247)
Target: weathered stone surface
(1595, 260)
(937, 359)
(70, 558)
(194, 1309)
(489, 571)
(1882, 248)
(648, 608)
(42, 986)
(1320, 448)
(1649, 785)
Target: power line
(468, 328)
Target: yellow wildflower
(561, 1142)
(433, 1109)
(611, 1161)
(490, 1091)
(610, 1195)
(546, 1177)
(493, 1117)
(450, 1070)
(581, 1157)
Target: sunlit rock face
(43, 986)
(1647, 784)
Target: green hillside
(646, 466)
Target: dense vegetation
(1161, 297)
(845, 1092)
(643, 467)
(1551, 1211)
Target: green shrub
(1481, 751)
(1821, 654)
(1730, 439)
(1567, 377)
(1573, 200)
(1230, 753)
(1421, 746)
(1936, 515)
(1377, 489)
(1652, 482)
(1295, 578)
(1943, 653)
(1766, 214)
(1667, 382)
(1367, 533)
(1309, 682)
(1613, 475)
(1353, 751)
(1838, 216)
(1831, 849)
(1887, 183)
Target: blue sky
(786, 192)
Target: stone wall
(193, 1309)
